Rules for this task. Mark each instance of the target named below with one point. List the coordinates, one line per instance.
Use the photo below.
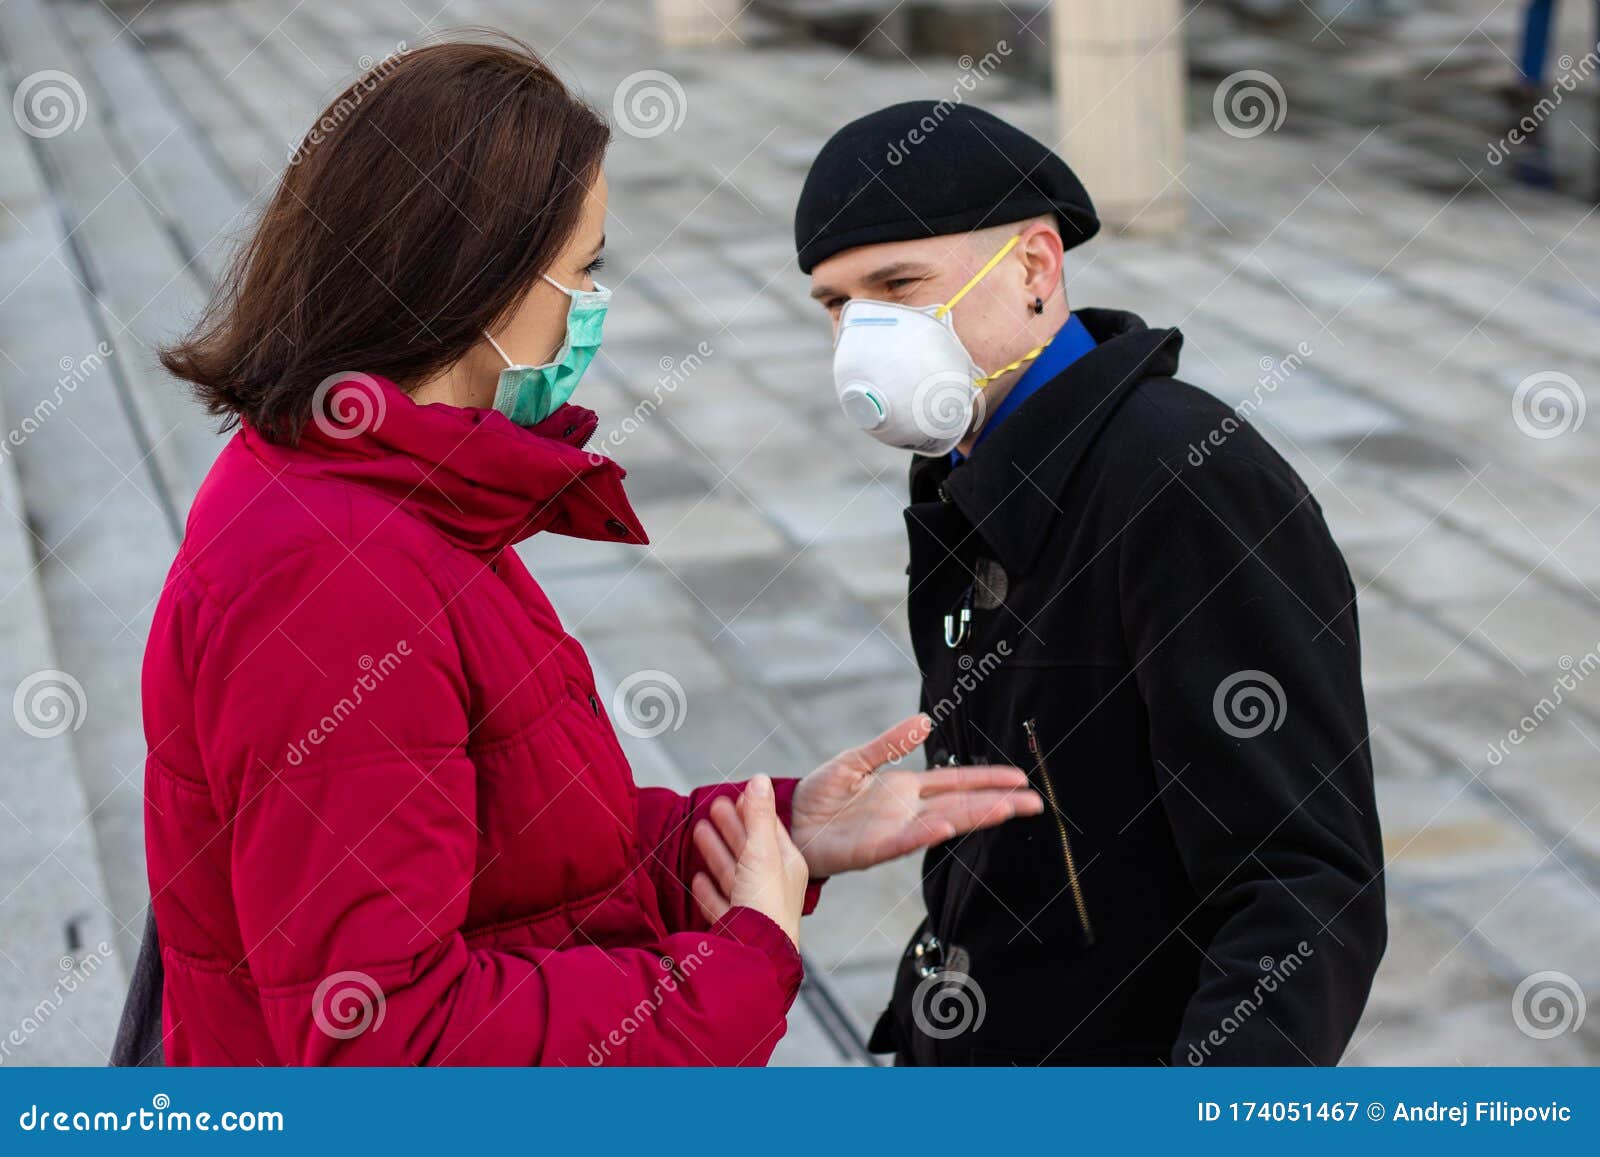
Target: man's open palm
(848, 814)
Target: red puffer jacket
(387, 818)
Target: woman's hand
(848, 814)
(758, 867)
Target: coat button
(569, 431)
(617, 527)
(594, 705)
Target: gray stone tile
(548, 556)
(1530, 627)
(868, 567)
(844, 712)
(1440, 829)
(1559, 794)
(732, 735)
(864, 989)
(1437, 566)
(764, 585)
(866, 918)
(806, 1043)
(1400, 649)
(1482, 1033)
(1534, 923)
(1426, 965)
(836, 512)
(721, 527)
(678, 651)
(810, 645)
(613, 601)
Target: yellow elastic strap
(979, 383)
(979, 276)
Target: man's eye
(898, 283)
(834, 303)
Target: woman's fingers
(721, 861)
(945, 779)
(712, 903)
(726, 817)
(758, 808)
(896, 743)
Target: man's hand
(848, 814)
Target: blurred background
(1372, 220)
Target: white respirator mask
(903, 376)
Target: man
(1117, 584)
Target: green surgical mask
(530, 394)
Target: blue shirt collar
(1071, 342)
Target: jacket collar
(480, 480)
(1008, 489)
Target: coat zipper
(958, 627)
(1073, 882)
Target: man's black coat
(1129, 593)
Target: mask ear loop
(978, 276)
(510, 365)
(980, 383)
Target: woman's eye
(597, 264)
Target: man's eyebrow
(884, 273)
(896, 269)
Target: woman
(388, 820)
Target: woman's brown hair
(420, 207)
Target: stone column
(1119, 83)
(687, 23)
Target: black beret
(929, 169)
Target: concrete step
(100, 515)
(61, 982)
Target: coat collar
(480, 480)
(1008, 489)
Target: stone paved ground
(1430, 293)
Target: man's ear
(1040, 251)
